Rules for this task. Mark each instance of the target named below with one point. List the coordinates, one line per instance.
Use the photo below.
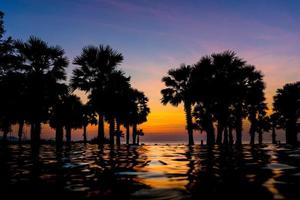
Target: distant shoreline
(170, 143)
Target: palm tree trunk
(230, 135)
(134, 131)
(253, 126)
(35, 133)
(252, 132)
(112, 131)
(260, 137)
(118, 132)
(219, 132)
(291, 131)
(38, 132)
(138, 139)
(59, 134)
(100, 129)
(68, 135)
(84, 134)
(32, 128)
(273, 135)
(210, 138)
(225, 141)
(127, 133)
(6, 128)
(238, 130)
(189, 122)
(20, 131)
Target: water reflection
(150, 172)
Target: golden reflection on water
(167, 167)
(270, 184)
(277, 171)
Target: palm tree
(12, 106)
(254, 99)
(139, 112)
(202, 78)
(67, 113)
(122, 95)
(127, 113)
(263, 125)
(44, 67)
(246, 76)
(238, 114)
(89, 117)
(228, 68)
(115, 95)
(73, 115)
(96, 64)
(11, 83)
(276, 121)
(12, 103)
(255, 111)
(56, 121)
(204, 122)
(58, 112)
(178, 89)
(8, 86)
(220, 85)
(287, 105)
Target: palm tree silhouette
(9, 87)
(178, 89)
(115, 95)
(44, 66)
(226, 78)
(96, 65)
(139, 112)
(13, 108)
(254, 99)
(67, 113)
(11, 82)
(73, 115)
(221, 85)
(204, 121)
(89, 117)
(56, 121)
(202, 87)
(276, 121)
(58, 112)
(287, 105)
(263, 125)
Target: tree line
(34, 90)
(221, 91)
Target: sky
(156, 35)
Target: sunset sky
(156, 35)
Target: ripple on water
(279, 166)
(157, 163)
(74, 165)
(160, 194)
(77, 188)
(295, 155)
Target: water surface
(150, 172)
